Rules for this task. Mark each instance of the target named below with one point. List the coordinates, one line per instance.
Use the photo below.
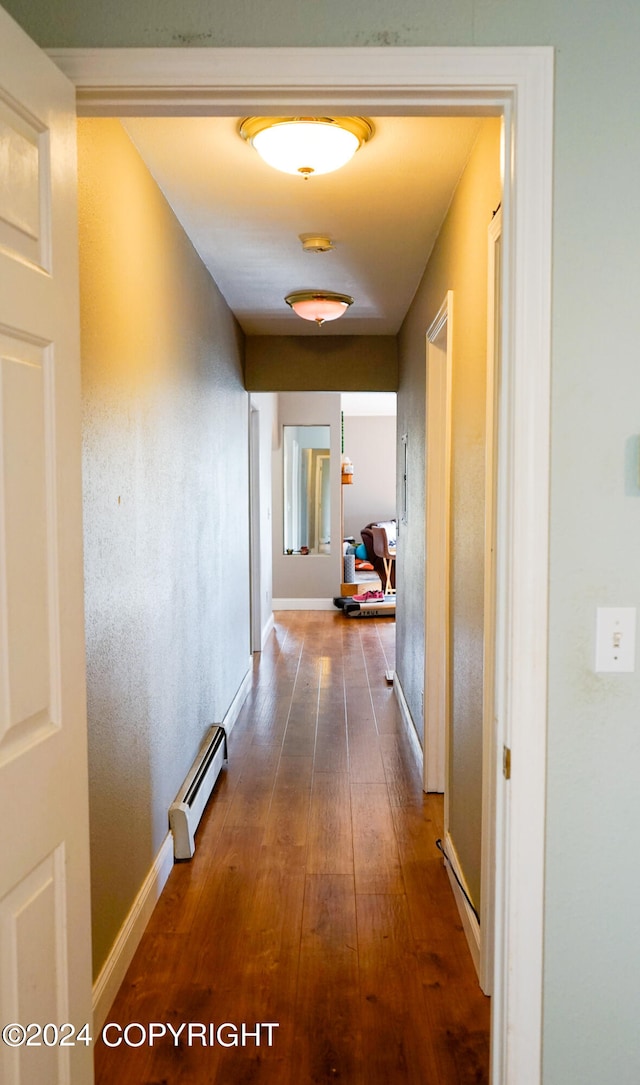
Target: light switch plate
(615, 639)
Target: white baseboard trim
(408, 722)
(470, 922)
(303, 604)
(268, 626)
(233, 710)
(114, 968)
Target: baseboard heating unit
(186, 811)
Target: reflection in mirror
(307, 489)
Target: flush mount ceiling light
(306, 145)
(318, 305)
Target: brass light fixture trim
(359, 128)
(319, 305)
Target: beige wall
(165, 438)
(370, 442)
(321, 362)
(458, 263)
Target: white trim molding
(437, 631)
(407, 719)
(303, 604)
(220, 81)
(517, 84)
(489, 759)
(468, 917)
(266, 631)
(115, 967)
(234, 708)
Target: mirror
(307, 489)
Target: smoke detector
(316, 243)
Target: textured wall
(458, 263)
(592, 965)
(245, 22)
(321, 363)
(371, 444)
(165, 508)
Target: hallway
(316, 899)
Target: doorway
(468, 80)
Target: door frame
(255, 542)
(517, 84)
(489, 747)
(437, 551)
(323, 462)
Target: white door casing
(45, 941)
(489, 728)
(437, 544)
(437, 670)
(254, 530)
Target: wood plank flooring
(316, 898)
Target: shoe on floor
(369, 597)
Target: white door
(45, 968)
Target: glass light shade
(306, 145)
(320, 306)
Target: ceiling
(383, 211)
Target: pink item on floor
(369, 597)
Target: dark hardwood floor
(316, 899)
